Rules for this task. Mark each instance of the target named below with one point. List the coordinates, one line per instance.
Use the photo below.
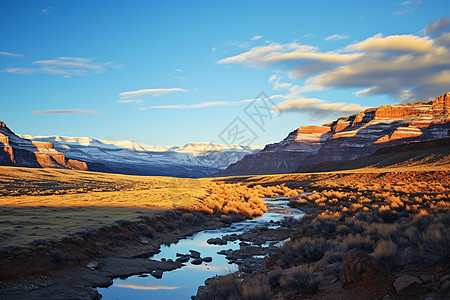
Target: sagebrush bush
(302, 280)
(386, 256)
(256, 288)
(357, 241)
(303, 250)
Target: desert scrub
(386, 256)
(233, 286)
(303, 250)
(357, 241)
(301, 279)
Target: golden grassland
(50, 203)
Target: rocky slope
(350, 138)
(16, 151)
(128, 157)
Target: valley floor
(364, 229)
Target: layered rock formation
(352, 137)
(16, 151)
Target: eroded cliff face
(350, 137)
(16, 151)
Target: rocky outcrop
(16, 151)
(350, 138)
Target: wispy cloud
(442, 23)
(66, 111)
(146, 287)
(406, 67)
(46, 11)
(408, 7)
(10, 54)
(319, 108)
(206, 104)
(336, 37)
(65, 66)
(23, 71)
(198, 105)
(135, 101)
(153, 92)
(257, 37)
(294, 101)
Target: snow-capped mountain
(128, 157)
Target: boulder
(322, 263)
(197, 261)
(157, 274)
(445, 285)
(216, 241)
(407, 285)
(207, 259)
(182, 259)
(355, 262)
(194, 254)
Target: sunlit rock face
(16, 151)
(350, 137)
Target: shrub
(385, 256)
(304, 249)
(302, 280)
(256, 288)
(61, 258)
(357, 241)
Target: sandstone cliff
(352, 137)
(16, 151)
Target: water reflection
(145, 287)
(183, 283)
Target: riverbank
(369, 235)
(74, 267)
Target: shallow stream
(183, 283)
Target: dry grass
(51, 203)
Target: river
(183, 283)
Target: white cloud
(277, 84)
(46, 11)
(22, 71)
(153, 92)
(210, 103)
(294, 101)
(410, 6)
(256, 37)
(66, 111)
(406, 67)
(10, 54)
(406, 43)
(136, 101)
(319, 108)
(198, 105)
(65, 66)
(336, 37)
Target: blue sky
(173, 72)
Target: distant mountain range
(306, 148)
(125, 157)
(350, 138)
(128, 157)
